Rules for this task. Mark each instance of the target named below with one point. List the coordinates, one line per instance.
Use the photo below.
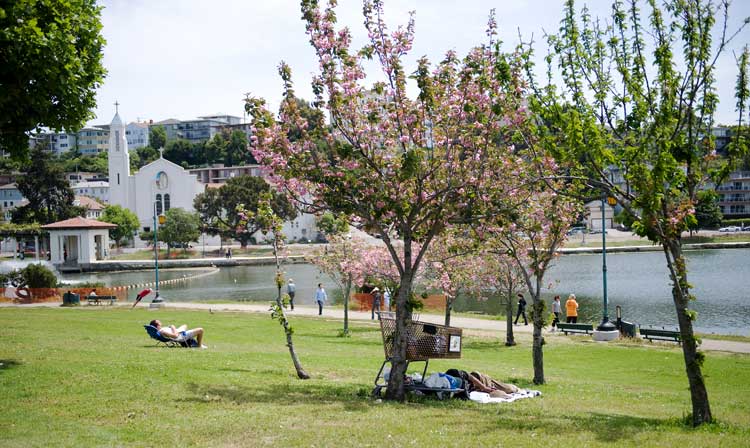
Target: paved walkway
(489, 325)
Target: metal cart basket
(424, 341)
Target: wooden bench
(575, 328)
(99, 300)
(652, 334)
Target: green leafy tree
(217, 207)
(50, 67)
(157, 137)
(216, 149)
(270, 223)
(707, 211)
(127, 223)
(236, 150)
(331, 224)
(142, 157)
(179, 151)
(637, 94)
(49, 194)
(180, 229)
(72, 161)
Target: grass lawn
(91, 377)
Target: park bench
(575, 328)
(660, 334)
(99, 300)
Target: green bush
(39, 276)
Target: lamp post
(158, 300)
(606, 325)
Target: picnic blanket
(484, 397)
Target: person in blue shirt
(291, 290)
(321, 297)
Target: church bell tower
(119, 162)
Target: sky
(188, 58)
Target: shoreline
(138, 265)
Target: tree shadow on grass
(604, 427)
(491, 344)
(485, 418)
(287, 394)
(7, 364)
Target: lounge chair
(168, 342)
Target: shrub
(39, 276)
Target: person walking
(321, 297)
(556, 310)
(571, 309)
(291, 290)
(521, 310)
(387, 299)
(375, 302)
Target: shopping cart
(424, 341)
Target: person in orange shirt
(571, 309)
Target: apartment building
(734, 195)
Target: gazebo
(78, 241)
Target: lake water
(638, 282)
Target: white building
(94, 189)
(154, 189)
(162, 185)
(94, 208)
(137, 135)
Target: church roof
(160, 160)
(79, 223)
(116, 121)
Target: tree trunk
(347, 293)
(510, 340)
(536, 351)
(448, 308)
(301, 374)
(395, 389)
(283, 319)
(693, 358)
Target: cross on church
(161, 153)
(116, 106)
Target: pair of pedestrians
(571, 308)
(321, 297)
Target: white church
(162, 185)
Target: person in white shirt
(320, 297)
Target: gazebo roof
(79, 223)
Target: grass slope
(83, 377)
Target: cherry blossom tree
(531, 240)
(406, 167)
(336, 260)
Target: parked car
(730, 229)
(596, 231)
(575, 230)
(746, 229)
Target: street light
(606, 325)
(158, 300)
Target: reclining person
(180, 333)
